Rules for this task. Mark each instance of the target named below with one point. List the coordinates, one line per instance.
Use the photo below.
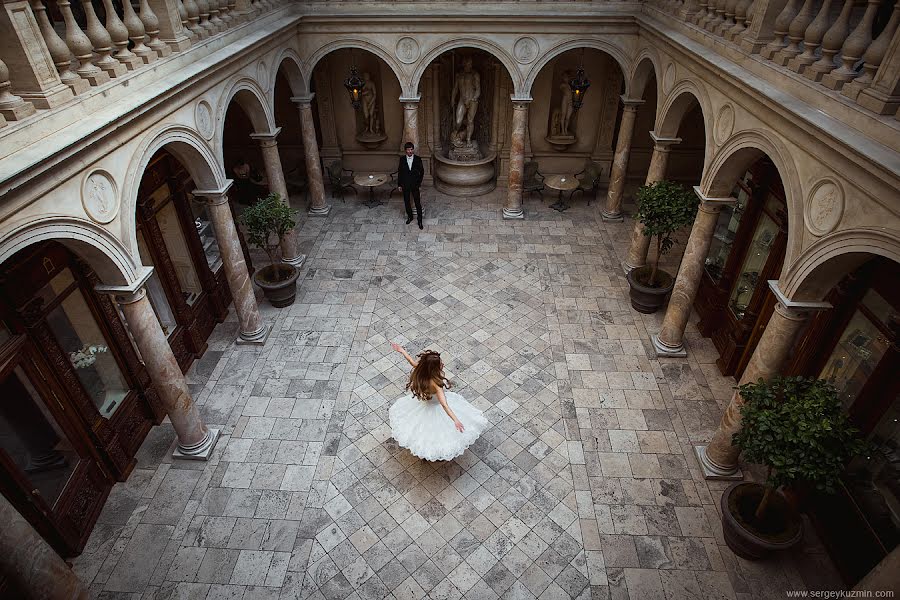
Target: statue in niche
(370, 135)
(561, 135)
(464, 101)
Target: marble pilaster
(613, 210)
(318, 207)
(29, 562)
(195, 440)
(513, 207)
(275, 175)
(252, 329)
(410, 122)
(719, 458)
(659, 161)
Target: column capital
(129, 292)
(631, 103)
(410, 99)
(664, 141)
(268, 136)
(710, 201)
(795, 308)
(214, 197)
(516, 99)
(303, 98)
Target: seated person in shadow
(249, 185)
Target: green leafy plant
(796, 427)
(663, 208)
(267, 222)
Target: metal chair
(339, 181)
(296, 182)
(395, 185)
(532, 180)
(588, 180)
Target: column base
(627, 268)
(664, 351)
(297, 261)
(257, 338)
(711, 471)
(319, 211)
(513, 213)
(611, 217)
(201, 451)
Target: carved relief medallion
(724, 124)
(262, 74)
(407, 50)
(669, 78)
(825, 207)
(99, 197)
(203, 118)
(525, 50)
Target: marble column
(410, 122)
(252, 329)
(640, 243)
(613, 210)
(275, 176)
(32, 566)
(318, 207)
(513, 208)
(719, 459)
(669, 342)
(195, 440)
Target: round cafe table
(563, 183)
(371, 181)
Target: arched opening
(242, 156)
(641, 142)
(290, 140)
(74, 401)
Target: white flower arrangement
(86, 356)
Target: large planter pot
(278, 283)
(644, 298)
(753, 540)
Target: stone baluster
(183, 16)
(796, 33)
(102, 42)
(659, 161)
(718, 459)
(670, 341)
(882, 96)
(242, 10)
(318, 206)
(831, 44)
(751, 14)
(252, 330)
(225, 7)
(873, 57)
(119, 35)
(613, 210)
(59, 52)
(702, 12)
(812, 39)
(12, 107)
(741, 10)
(728, 22)
(718, 16)
(33, 568)
(688, 10)
(172, 34)
(518, 130)
(204, 18)
(853, 49)
(151, 27)
(136, 34)
(782, 23)
(214, 17)
(193, 12)
(81, 47)
(709, 14)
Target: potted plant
(796, 428)
(267, 222)
(663, 208)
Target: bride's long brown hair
(429, 371)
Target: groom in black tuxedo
(409, 177)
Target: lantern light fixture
(579, 85)
(354, 84)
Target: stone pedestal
(719, 459)
(277, 184)
(464, 178)
(513, 207)
(318, 207)
(613, 210)
(252, 328)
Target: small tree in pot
(664, 207)
(796, 428)
(267, 222)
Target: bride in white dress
(429, 422)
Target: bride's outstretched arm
(405, 354)
(443, 400)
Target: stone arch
(189, 148)
(309, 66)
(488, 46)
(293, 71)
(822, 265)
(677, 104)
(252, 99)
(733, 159)
(596, 44)
(646, 66)
(97, 246)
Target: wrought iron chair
(340, 178)
(532, 180)
(588, 180)
(296, 182)
(395, 185)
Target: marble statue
(368, 96)
(464, 98)
(565, 106)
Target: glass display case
(207, 234)
(726, 229)
(754, 261)
(155, 291)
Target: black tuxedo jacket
(410, 179)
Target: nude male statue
(468, 87)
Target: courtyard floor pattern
(584, 487)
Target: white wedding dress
(423, 427)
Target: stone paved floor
(585, 486)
